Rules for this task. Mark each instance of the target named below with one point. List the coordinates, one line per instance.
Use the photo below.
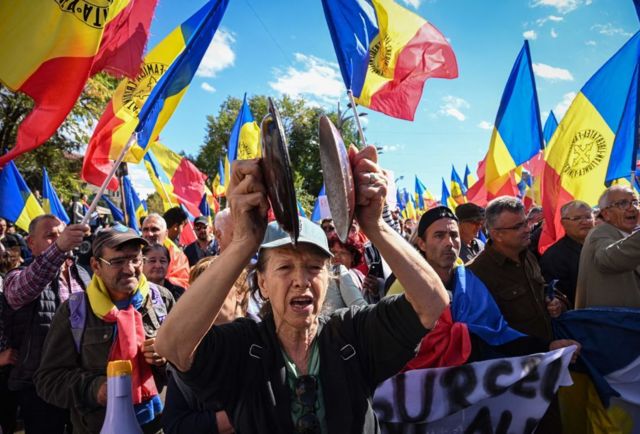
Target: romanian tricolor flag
(517, 134)
(469, 179)
(48, 50)
(579, 154)
(244, 141)
(458, 189)
(120, 118)
(134, 207)
(176, 179)
(409, 211)
(17, 204)
(446, 199)
(219, 188)
(386, 53)
(50, 201)
(424, 198)
(171, 87)
(550, 126)
(205, 209)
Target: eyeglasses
(121, 262)
(624, 204)
(518, 227)
(580, 218)
(306, 390)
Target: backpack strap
(77, 317)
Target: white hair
(605, 198)
(155, 216)
(574, 204)
(222, 219)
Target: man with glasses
(31, 297)
(561, 261)
(610, 260)
(117, 319)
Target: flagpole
(103, 187)
(355, 113)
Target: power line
(266, 29)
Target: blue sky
(275, 47)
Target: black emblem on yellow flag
(93, 13)
(380, 56)
(137, 90)
(588, 150)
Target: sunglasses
(306, 390)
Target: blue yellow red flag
(50, 201)
(205, 209)
(550, 126)
(166, 95)
(458, 189)
(219, 188)
(577, 158)
(419, 191)
(133, 205)
(386, 53)
(17, 203)
(517, 134)
(50, 48)
(244, 141)
(469, 179)
(446, 199)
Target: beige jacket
(609, 273)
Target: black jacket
(241, 365)
(561, 261)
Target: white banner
(493, 396)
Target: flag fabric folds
(176, 179)
(469, 179)
(550, 126)
(116, 212)
(120, 118)
(50, 201)
(219, 188)
(446, 199)
(50, 48)
(244, 141)
(133, 205)
(205, 209)
(458, 189)
(321, 207)
(17, 203)
(166, 95)
(578, 157)
(517, 134)
(386, 53)
(424, 198)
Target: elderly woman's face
(295, 281)
(155, 266)
(342, 255)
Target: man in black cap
(205, 244)
(470, 221)
(115, 319)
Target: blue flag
(50, 201)
(17, 203)
(116, 212)
(204, 207)
(550, 127)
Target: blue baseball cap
(310, 233)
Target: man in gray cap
(116, 319)
(470, 222)
(205, 245)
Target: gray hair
(158, 217)
(33, 225)
(574, 204)
(499, 205)
(605, 202)
(222, 218)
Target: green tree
(61, 153)
(300, 122)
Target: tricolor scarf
(128, 343)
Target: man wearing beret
(116, 319)
(470, 221)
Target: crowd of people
(246, 330)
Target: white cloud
(391, 148)
(562, 107)
(553, 33)
(530, 34)
(609, 30)
(556, 19)
(207, 87)
(591, 43)
(551, 72)
(562, 6)
(140, 180)
(414, 3)
(485, 125)
(315, 77)
(453, 107)
(219, 55)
